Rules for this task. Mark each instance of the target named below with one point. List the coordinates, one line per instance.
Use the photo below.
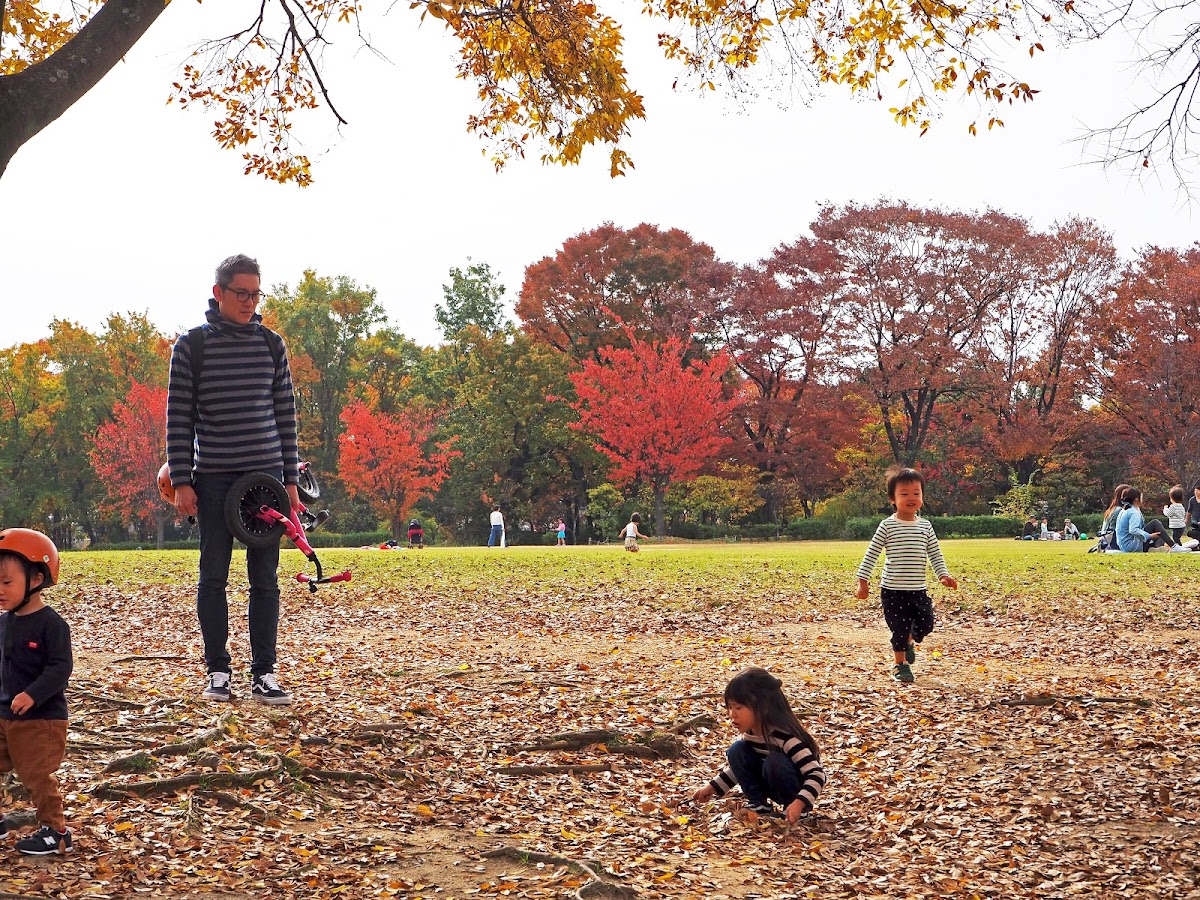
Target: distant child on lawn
(908, 541)
(632, 534)
(776, 759)
(1176, 513)
(560, 527)
(34, 669)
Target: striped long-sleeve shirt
(908, 545)
(812, 774)
(245, 412)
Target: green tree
(325, 322)
(516, 447)
(473, 297)
(28, 398)
(93, 375)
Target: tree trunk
(660, 515)
(36, 96)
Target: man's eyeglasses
(243, 296)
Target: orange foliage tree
(657, 418)
(126, 455)
(391, 460)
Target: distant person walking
(496, 535)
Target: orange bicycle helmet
(166, 490)
(35, 547)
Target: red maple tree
(126, 455)
(611, 282)
(392, 460)
(656, 417)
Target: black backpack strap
(195, 339)
(275, 344)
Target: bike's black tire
(309, 490)
(246, 496)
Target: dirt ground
(1033, 757)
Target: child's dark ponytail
(762, 693)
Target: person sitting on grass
(35, 666)
(776, 758)
(1134, 533)
(1070, 530)
(908, 541)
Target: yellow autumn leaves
(550, 73)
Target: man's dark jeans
(773, 776)
(262, 569)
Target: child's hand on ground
(863, 591)
(794, 811)
(22, 703)
(949, 582)
(704, 794)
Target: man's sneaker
(267, 690)
(903, 673)
(45, 841)
(910, 653)
(218, 687)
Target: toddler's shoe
(902, 672)
(46, 841)
(3, 827)
(764, 810)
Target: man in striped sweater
(236, 415)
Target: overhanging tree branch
(36, 96)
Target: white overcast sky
(126, 204)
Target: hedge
(946, 527)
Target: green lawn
(994, 575)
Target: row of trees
(1015, 366)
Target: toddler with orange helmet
(35, 664)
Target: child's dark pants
(907, 613)
(34, 749)
(773, 776)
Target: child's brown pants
(34, 749)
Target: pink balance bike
(259, 512)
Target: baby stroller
(1106, 542)
(416, 535)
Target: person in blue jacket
(1134, 533)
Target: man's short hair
(238, 264)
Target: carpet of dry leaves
(1043, 752)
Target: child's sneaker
(910, 653)
(267, 690)
(45, 841)
(903, 673)
(763, 810)
(218, 687)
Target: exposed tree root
(143, 759)
(642, 745)
(552, 770)
(1053, 699)
(115, 790)
(125, 659)
(596, 889)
